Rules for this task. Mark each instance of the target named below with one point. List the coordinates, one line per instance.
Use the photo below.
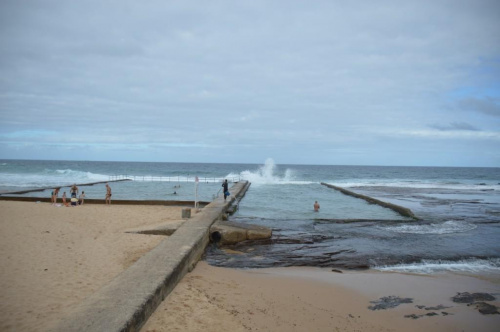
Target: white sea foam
(49, 178)
(86, 176)
(447, 227)
(266, 174)
(491, 265)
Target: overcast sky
(302, 82)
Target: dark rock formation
(388, 302)
(486, 308)
(477, 300)
(466, 297)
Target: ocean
(458, 228)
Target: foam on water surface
(472, 265)
(447, 227)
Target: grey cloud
(455, 126)
(489, 106)
(254, 73)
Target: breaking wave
(268, 174)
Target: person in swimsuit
(74, 190)
(108, 194)
(316, 206)
(64, 199)
(56, 193)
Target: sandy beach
(53, 257)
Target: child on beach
(82, 198)
(64, 199)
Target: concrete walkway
(127, 301)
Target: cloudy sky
(302, 82)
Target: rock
(232, 232)
(438, 307)
(486, 308)
(260, 233)
(466, 297)
(231, 236)
(389, 302)
(412, 316)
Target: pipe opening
(215, 237)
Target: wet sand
(309, 299)
(53, 257)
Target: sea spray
(269, 174)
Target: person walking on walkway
(226, 190)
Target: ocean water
(458, 209)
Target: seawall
(101, 201)
(127, 301)
(405, 212)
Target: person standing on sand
(226, 192)
(53, 197)
(56, 193)
(64, 199)
(316, 206)
(108, 194)
(74, 190)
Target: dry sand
(53, 257)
